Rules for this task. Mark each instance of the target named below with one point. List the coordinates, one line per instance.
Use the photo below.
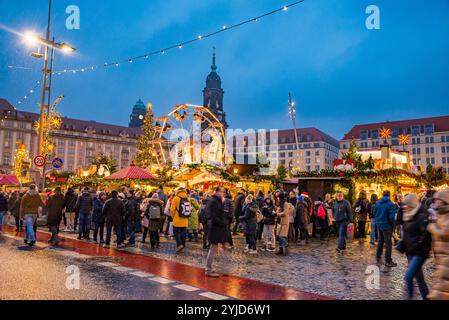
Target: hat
(411, 200)
(442, 195)
(155, 196)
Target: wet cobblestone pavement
(315, 267)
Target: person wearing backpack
(180, 210)
(361, 208)
(202, 217)
(154, 214)
(322, 218)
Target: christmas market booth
(206, 178)
(134, 177)
(8, 182)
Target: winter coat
(162, 196)
(217, 222)
(132, 209)
(228, 207)
(322, 223)
(342, 211)
(30, 203)
(114, 211)
(284, 220)
(97, 215)
(70, 201)
(399, 215)
(238, 207)
(85, 203)
(249, 217)
(269, 217)
(384, 213)
(361, 209)
(154, 224)
(3, 203)
(178, 222)
(370, 208)
(416, 238)
(193, 219)
(301, 215)
(202, 214)
(55, 206)
(440, 241)
(328, 206)
(14, 206)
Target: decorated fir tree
(146, 148)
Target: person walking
(360, 208)
(238, 210)
(343, 216)
(29, 210)
(269, 221)
(132, 217)
(84, 207)
(384, 213)
(250, 223)
(114, 211)
(14, 208)
(416, 243)
(55, 207)
(374, 234)
(180, 210)
(439, 229)
(70, 209)
(98, 218)
(217, 224)
(154, 215)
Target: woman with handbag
(415, 244)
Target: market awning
(132, 172)
(8, 180)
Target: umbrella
(8, 179)
(132, 172)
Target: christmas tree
(146, 146)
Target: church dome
(139, 105)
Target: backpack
(185, 209)
(154, 211)
(321, 214)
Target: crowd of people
(269, 222)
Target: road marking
(141, 274)
(123, 269)
(213, 296)
(108, 264)
(187, 288)
(161, 280)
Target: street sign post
(39, 161)
(57, 163)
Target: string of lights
(29, 93)
(178, 45)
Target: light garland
(179, 45)
(29, 93)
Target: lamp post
(292, 113)
(47, 75)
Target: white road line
(161, 280)
(123, 269)
(108, 264)
(141, 274)
(213, 296)
(187, 288)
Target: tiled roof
(441, 125)
(309, 135)
(69, 124)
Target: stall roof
(9, 180)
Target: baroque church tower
(138, 115)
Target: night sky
(339, 73)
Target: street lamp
(292, 113)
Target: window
(418, 150)
(418, 140)
(364, 135)
(416, 130)
(281, 147)
(290, 147)
(317, 153)
(308, 160)
(316, 145)
(443, 149)
(307, 168)
(308, 153)
(317, 168)
(428, 129)
(414, 151)
(282, 155)
(375, 134)
(396, 132)
(432, 150)
(290, 154)
(394, 142)
(443, 160)
(6, 159)
(427, 150)
(433, 160)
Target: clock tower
(138, 115)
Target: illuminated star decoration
(385, 133)
(404, 139)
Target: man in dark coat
(114, 211)
(3, 208)
(238, 210)
(217, 224)
(84, 205)
(132, 218)
(55, 206)
(70, 210)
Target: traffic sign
(39, 161)
(57, 163)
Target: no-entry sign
(57, 163)
(39, 161)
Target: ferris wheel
(190, 134)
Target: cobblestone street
(315, 268)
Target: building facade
(77, 142)
(138, 114)
(428, 139)
(317, 150)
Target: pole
(293, 116)
(44, 91)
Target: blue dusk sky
(339, 72)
